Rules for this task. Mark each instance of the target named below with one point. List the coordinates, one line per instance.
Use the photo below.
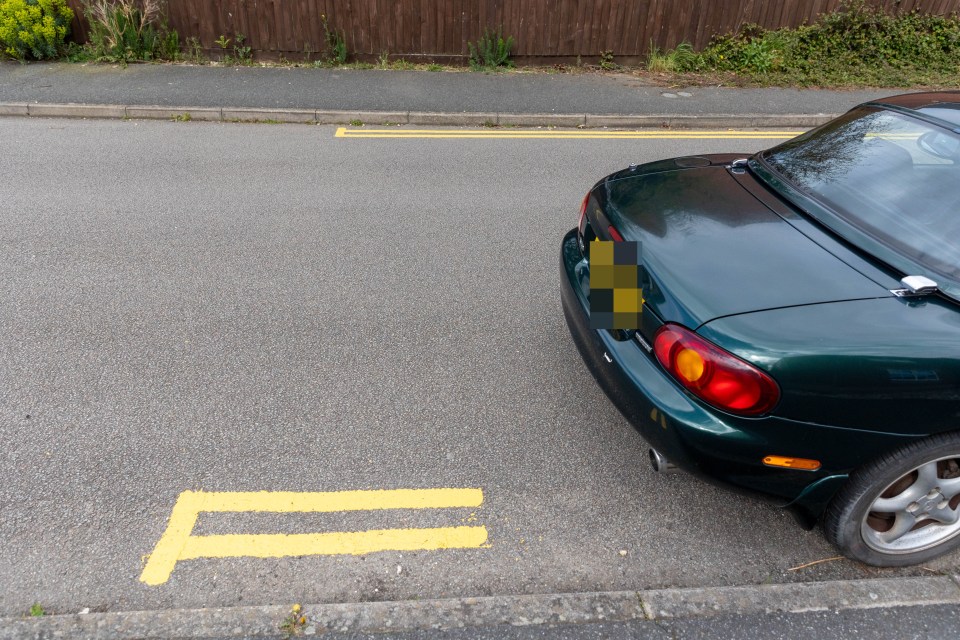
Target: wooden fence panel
(442, 28)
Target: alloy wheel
(919, 510)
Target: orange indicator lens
(792, 463)
(690, 365)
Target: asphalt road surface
(249, 308)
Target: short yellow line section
(177, 543)
(336, 543)
(331, 501)
(563, 134)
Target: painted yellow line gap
(178, 544)
(560, 134)
(336, 543)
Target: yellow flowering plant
(34, 28)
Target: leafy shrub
(859, 44)
(127, 30)
(34, 28)
(491, 50)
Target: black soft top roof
(944, 105)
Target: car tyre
(902, 508)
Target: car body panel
(867, 265)
(707, 237)
(890, 364)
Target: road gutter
(523, 610)
(419, 118)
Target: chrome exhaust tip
(660, 463)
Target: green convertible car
(799, 325)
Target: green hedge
(859, 44)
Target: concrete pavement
(339, 96)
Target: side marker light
(803, 464)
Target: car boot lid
(709, 248)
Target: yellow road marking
(329, 501)
(335, 543)
(167, 552)
(177, 543)
(561, 134)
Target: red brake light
(583, 212)
(714, 375)
(614, 234)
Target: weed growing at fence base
(128, 30)
(858, 45)
(670, 61)
(492, 50)
(194, 51)
(384, 63)
(606, 61)
(242, 55)
(336, 43)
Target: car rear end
(654, 374)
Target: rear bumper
(720, 448)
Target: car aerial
(799, 325)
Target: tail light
(715, 376)
(582, 224)
(583, 213)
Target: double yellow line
(564, 134)
(179, 543)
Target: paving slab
(167, 113)
(76, 110)
(14, 109)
